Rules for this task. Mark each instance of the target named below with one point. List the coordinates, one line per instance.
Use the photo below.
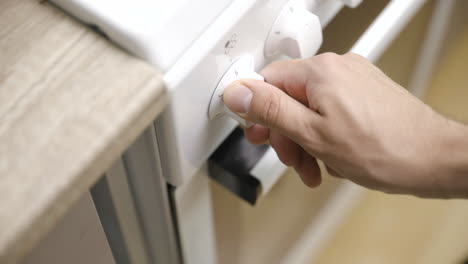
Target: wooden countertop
(70, 103)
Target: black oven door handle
(247, 170)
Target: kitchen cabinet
(70, 103)
(76, 238)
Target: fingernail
(237, 98)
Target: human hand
(344, 111)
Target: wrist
(454, 159)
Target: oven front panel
(187, 134)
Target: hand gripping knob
(243, 67)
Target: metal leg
(116, 207)
(134, 204)
(152, 199)
(108, 216)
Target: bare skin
(343, 110)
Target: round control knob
(243, 67)
(351, 3)
(296, 32)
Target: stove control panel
(296, 32)
(243, 67)
(247, 36)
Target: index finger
(290, 76)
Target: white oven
(164, 209)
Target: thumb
(265, 104)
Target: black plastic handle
(231, 163)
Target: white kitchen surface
(159, 31)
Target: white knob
(296, 32)
(243, 67)
(351, 3)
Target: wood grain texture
(70, 103)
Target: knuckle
(276, 65)
(324, 64)
(272, 65)
(329, 58)
(308, 63)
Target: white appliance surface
(188, 135)
(156, 30)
